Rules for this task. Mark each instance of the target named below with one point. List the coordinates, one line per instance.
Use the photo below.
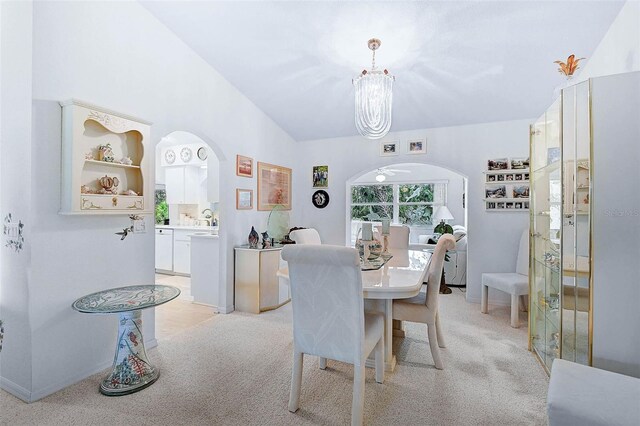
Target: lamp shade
(442, 213)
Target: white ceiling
(455, 62)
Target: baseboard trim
(15, 389)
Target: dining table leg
(385, 306)
(398, 328)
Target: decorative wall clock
(320, 199)
(186, 154)
(202, 153)
(170, 156)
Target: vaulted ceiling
(455, 62)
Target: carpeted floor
(235, 370)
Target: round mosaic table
(131, 369)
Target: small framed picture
(500, 178)
(244, 199)
(320, 176)
(244, 166)
(526, 204)
(500, 205)
(509, 205)
(520, 163)
(388, 148)
(518, 205)
(491, 178)
(521, 191)
(517, 177)
(491, 205)
(509, 177)
(526, 176)
(416, 146)
(498, 191)
(498, 164)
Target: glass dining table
(399, 278)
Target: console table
(131, 370)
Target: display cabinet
(584, 233)
(105, 163)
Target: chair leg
(433, 344)
(523, 303)
(379, 356)
(439, 332)
(296, 382)
(515, 311)
(323, 363)
(484, 304)
(357, 405)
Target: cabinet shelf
(110, 164)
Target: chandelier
(374, 92)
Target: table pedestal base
(131, 370)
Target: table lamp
(443, 214)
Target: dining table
(401, 277)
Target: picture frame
(498, 164)
(244, 166)
(320, 176)
(244, 199)
(388, 148)
(416, 146)
(274, 187)
(519, 163)
(496, 191)
(521, 191)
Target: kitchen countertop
(188, 228)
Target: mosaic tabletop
(125, 299)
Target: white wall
(619, 50)
(493, 237)
(15, 28)
(114, 54)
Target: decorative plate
(186, 154)
(320, 199)
(202, 153)
(169, 156)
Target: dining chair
(398, 236)
(305, 236)
(423, 308)
(329, 319)
(514, 283)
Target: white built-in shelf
(505, 171)
(507, 200)
(112, 164)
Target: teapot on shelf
(109, 184)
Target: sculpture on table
(254, 238)
(266, 241)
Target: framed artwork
(320, 176)
(388, 148)
(244, 166)
(498, 164)
(320, 199)
(416, 146)
(244, 199)
(274, 187)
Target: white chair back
(434, 270)
(305, 236)
(522, 264)
(398, 236)
(327, 302)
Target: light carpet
(235, 370)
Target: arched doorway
(412, 194)
(187, 183)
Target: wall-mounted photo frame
(498, 164)
(388, 148)
(244, 166)
(274, 187)
(320, 176)
(244, 199)
(416, 146)
(519, 163)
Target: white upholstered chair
(328, 316)
(305, 236)
(515, 283)
(398, 236)
(423, 308)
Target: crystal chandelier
(374, 92)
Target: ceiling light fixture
(374, 90)
(381, 178)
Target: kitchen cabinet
(164, 249)
(183, 184)
(182, 252)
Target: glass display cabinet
(559, 323)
